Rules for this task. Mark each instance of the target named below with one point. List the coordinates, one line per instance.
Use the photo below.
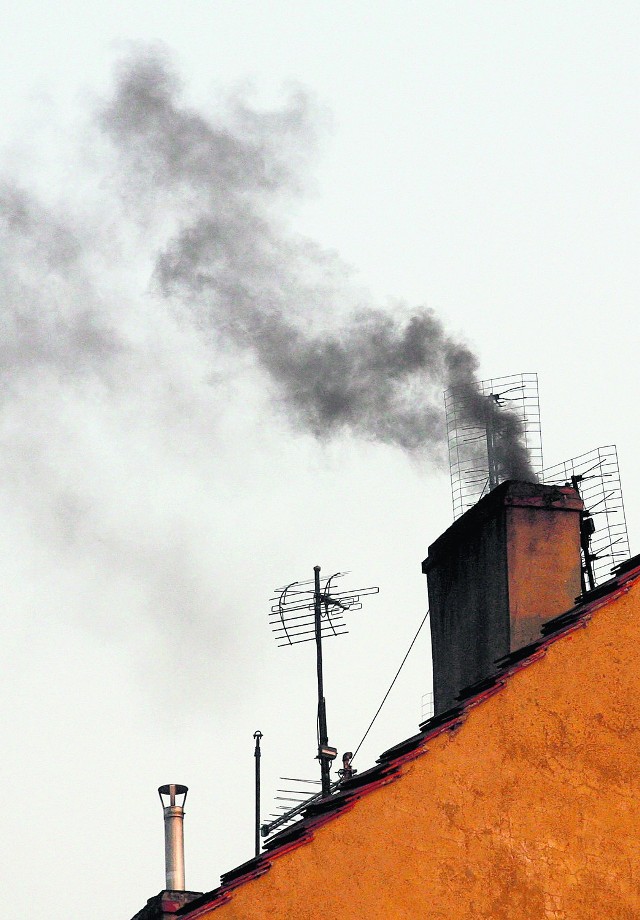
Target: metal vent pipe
(173, 796)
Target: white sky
(479, 159)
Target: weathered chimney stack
(495, 576)
(173, 796)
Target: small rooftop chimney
(173, 796)
(500, 571)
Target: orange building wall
(530, 810)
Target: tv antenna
(314, 610)
(476, 418)
(294, 797)
(603, 528)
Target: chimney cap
(171, 790)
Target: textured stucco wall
(530, 810)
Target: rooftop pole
(257, 735)
(325, 753)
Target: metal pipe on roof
(173, 797)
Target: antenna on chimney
(173, 796)
(478, 416)
(312, 610)
(603, 528)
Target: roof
(389, 766)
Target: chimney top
(511, 493)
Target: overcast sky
(207, 209)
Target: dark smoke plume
(252, 286)
(149, 279)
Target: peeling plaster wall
(529, 810)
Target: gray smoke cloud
(155, 280)
(133, 294)
(51, 316)
(251, 285)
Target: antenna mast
(492, 459)
(310, 610)
(326, 754)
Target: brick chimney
(500, 571)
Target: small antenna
(301, 613)
(604, 541)
(297, 799)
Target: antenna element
(481, 421)
(603, 529)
